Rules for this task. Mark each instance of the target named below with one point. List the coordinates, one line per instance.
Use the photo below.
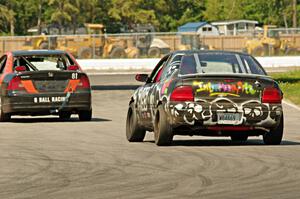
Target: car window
(218, 63)
(188, 65)
(173, 65)
(2, 63)
(157, 77)
(252, 65)
(43, 62)
(156, 73)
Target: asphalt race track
(42, 157)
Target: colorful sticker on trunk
(225, 89)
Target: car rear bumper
(205, 115)
(46, 103)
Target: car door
(164, 75)
(146, 94)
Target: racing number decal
(74, 75)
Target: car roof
(37, 52)
(185, 52)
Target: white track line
(292, 105)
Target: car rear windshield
(219, 63)
(44, 62)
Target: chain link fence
(274, 42)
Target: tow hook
(65, 102)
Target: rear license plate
(58, 85)
(229, 118)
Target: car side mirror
(73, 67)
(141, 77)
(20, 68)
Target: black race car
(43, 82)
(210, 93)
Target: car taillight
(15, 84)
(271, 95)
(182, 93)
(84, 82)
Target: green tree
(188, 11)
(132, 12)
(165, 15)
(7, 16)
(234, 9)
(214, 10)
(61, 12)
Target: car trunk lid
(51, 81)
(235, 87)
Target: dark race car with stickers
(209, 93)
(43, 82)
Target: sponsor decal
(225, 89)
(48, 99)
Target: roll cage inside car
(62, 61)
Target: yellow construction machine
(269, 44)
(93, 44)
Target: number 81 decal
(74, 75)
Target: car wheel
(239, 137)
(274, 136)
(162, 129)
(85, 115)
(134, 132)
(4, 117)
(64, 115)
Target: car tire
(85, 115)
(274, 136)
(64, 115)
(239, 137)
(4, 117)
(163, 134)
(134, 132)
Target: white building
(235, 27)
(200, 28)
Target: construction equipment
(36, 42)
(98, 44)
(84, 46)
(192, 41)
(81, 46)
(269, 43)
(145, 42)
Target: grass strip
(289, 82)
